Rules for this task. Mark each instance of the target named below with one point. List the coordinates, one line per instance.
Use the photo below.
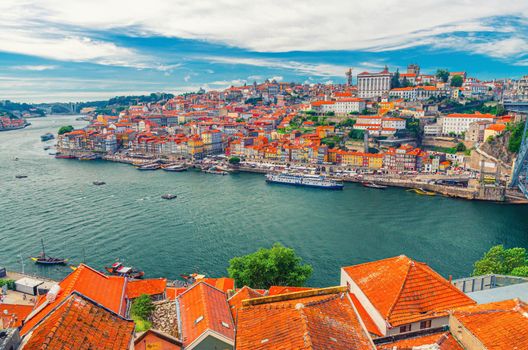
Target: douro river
(216, 218)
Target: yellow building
(195, 147)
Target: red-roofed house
(315, 319)
(205, 318)
(402, 295)
(78, 322)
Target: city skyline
(53, 51)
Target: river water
(215, 218)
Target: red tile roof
(405, 291)
(365, 317)
(79, 323)
(108, 291)
(12, 315)
(225, 284)
(501, 325)
(443, 340)
(204, 308)
(152, 286)
(235, 302)
(313, 322)
(173, 292)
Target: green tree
(142, 307)
(406, 83)
(65, 129)
(501, 261)
(442, 74)
(356, 134)
(460, 147)
(234, 160)
(395, 80)
(515, 137)
(521, 271)
(278, 266)
(457, 81)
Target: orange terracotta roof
(235, 302)
(204, 308)
(276, 290)
(313, 322)
(108, 291)
(496, 127)
(225, 284)
(497, 325)
(365, 317)
(405, 291)
(443, 340)
(79, 323)
(151, 286)
(173, 292)
(12, 315)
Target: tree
(457, 81)
(460, 147)
(406, 83)
(277, 266)
(234, 160)
(515, 137)
(65, 129)
(142, 307)
(395, 80)
(502, 261)
(443, 75)
(356, 134)
(521, 271)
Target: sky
(79, 50)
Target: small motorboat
(169, 196)
(88, 157)
(63, 156)
(117, 269)
(216, 171)
(43, 259)
(20, 176)
(99, 183)
(47, 148)
(374, 185)
(46, 137)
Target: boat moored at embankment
(318, 181)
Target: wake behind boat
(318, 181)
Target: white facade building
(458, 123)
(374, 84)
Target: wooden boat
(117, 269)
(422, 192)
(174, 167)
(99, 183)
(373, 185)
(88, 157)
(152, 166)
(20, 176)
(43, 259)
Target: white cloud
(269, 25)
(37, 68)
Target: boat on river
(175, 167)
(169, 196)
(151, 166)
(422, 192)
(44, 259)
(318, 181)
(63, 156)
(99, 183)
(118, 269)
(46, 137)
(88, 157)
(374, 185)
(20, 176)
(216, 171)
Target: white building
(374, 84)
(349, 105)
(459, 123)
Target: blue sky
(58, 50)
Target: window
(425, 324)
(405, 328)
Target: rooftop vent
(198, 319)
(225, 324)
(264, 341)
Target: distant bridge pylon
(519, 176)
